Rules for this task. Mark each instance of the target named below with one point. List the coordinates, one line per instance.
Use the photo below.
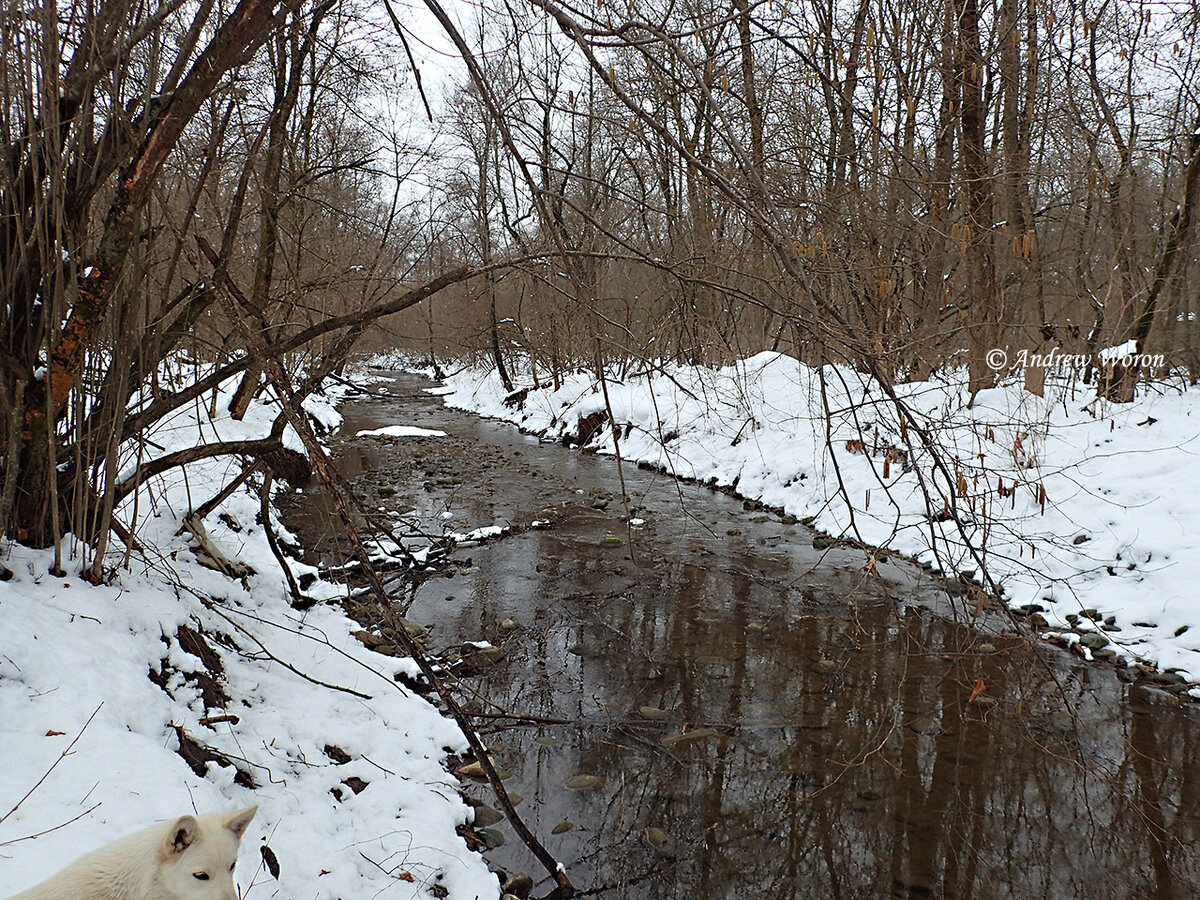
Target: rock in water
(486, 815)
(519, 885)
(473, 770)
(492, 837)
(659, 841)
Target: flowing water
(703, 705)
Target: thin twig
(287, 665)
(61, 757)
(45, 831)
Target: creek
(708, 706)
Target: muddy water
(759, 717)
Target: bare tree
(136, 140)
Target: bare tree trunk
(494, 330)
(758, 254)
(1024, 277)
(935, 292)
(982, 331)
(288, 48)
(1125, 377)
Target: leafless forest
(193, 190)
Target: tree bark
(980, 297)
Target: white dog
(191, 858)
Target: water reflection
(821, 734)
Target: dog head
(198, 854)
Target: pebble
(582, 783)
(1167, 678)
(658, 840)
(491, 655)
(492, 838)
(486, 815)
(520, 884)
(472, 770)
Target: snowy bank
(173, 656)
(1083, 509)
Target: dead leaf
(979, 687)
(271, 860)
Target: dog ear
(238, 821)
(184, 832)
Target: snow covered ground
(1086, 511)
(353, 797)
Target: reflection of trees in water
(847, 761)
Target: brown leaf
(979, 687)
